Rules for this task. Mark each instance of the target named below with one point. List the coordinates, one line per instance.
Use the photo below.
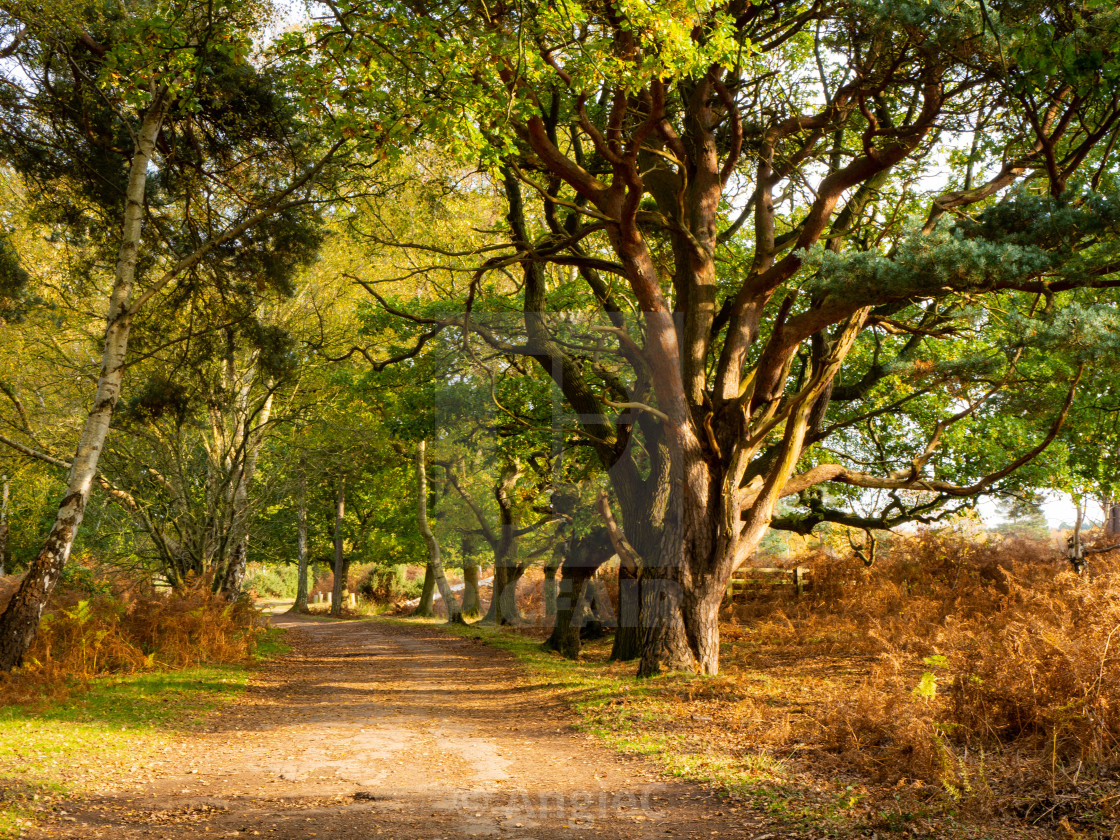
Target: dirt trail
(370, 730)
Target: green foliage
(271, 581)
(383, 585)
(80, 578)
(13, 282)
(1018, 240)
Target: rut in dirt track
(371, 730)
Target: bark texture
(472, 603)
(628, 637)
(251, 432)
(503, 542)
(702, 431)
(1112, 517)
(427, 594)
(551, 584)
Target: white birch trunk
(20, 620)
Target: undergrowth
(121, 629)
(988, 671)
(389, 584)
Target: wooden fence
(745, 580)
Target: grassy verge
(57, 748)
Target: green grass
(271, 643)
(55, 748)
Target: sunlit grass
(54, 748)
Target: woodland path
(374, 730)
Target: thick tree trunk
(565, 638)
(681, 591)
(503, 598)
(435, 561)
(301, 546)
(20, 620)
(498, 586)
(339, 565)
(472, 604)
(711, 525)
(628, 635)
(585, 556)
(235, 570)
(507, 604)
(683, 585)
(427, 594)
(1111, 517)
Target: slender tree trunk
(503, 542)
(1075, 550)
(628, 610)
(235, 572)
(427, 594)
(339, 565)
(20, 620)
(435, 562)
(4, 530)
(301, 546)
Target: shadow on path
(369, 730)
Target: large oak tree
(778, 209)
